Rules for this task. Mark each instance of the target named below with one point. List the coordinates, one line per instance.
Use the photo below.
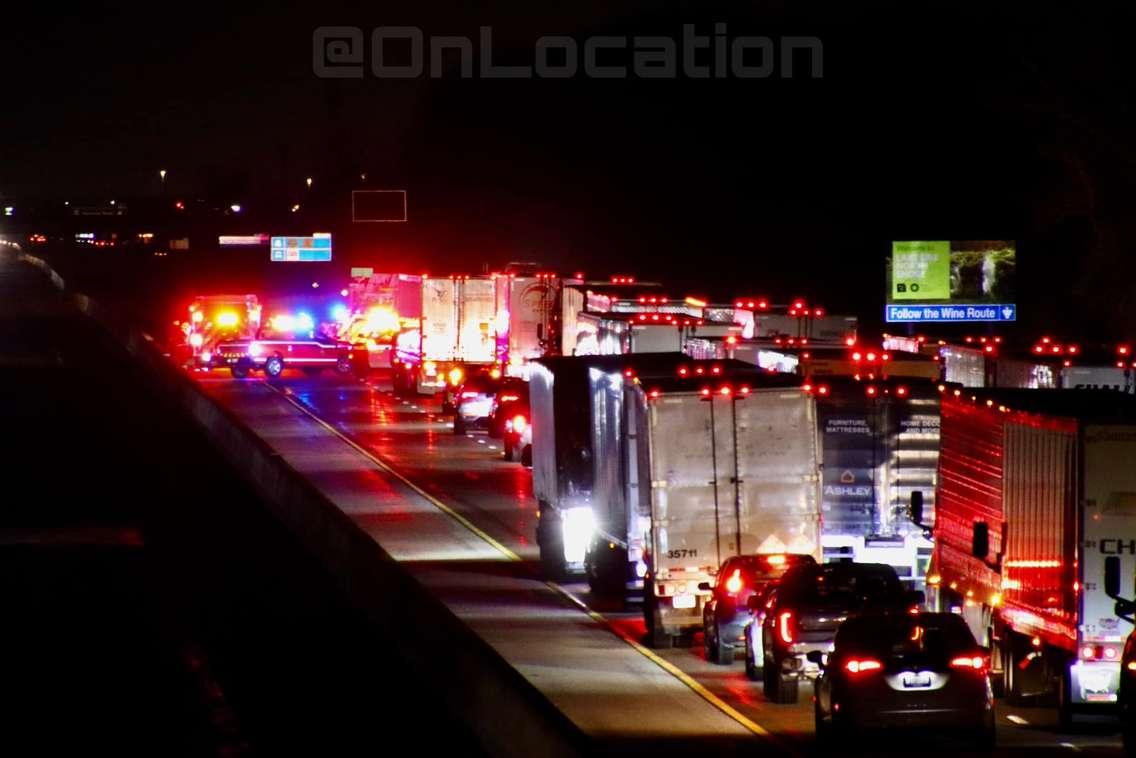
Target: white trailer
(730, 472)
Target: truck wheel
(550, 537)
(657, 636)
(508, 452)
(526, 456)
(240, 369)
(274, 366)
(1064, 701)
(343, 365)
(459, 424)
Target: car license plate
(683, 601)
(916, 680)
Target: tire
(1011, 676)
(274, 366)
(716, 652)
(526, 456)
(240, 369)
(343, 365)
(753, 673)
(1064, 706)
(778, 688)
(657, 636)
(824, 729)
(507, 452)
(459, 424)
(550, 538)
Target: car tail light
(734, 584)
(976, 663)
(786, 627)
(1099, 652)
(519, 424)
(1131, 666)
(775, 560)
(862, 665)
(468, 395)
(509, 398)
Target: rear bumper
(866, 716)
(1094, 684)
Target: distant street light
(296, 208)
(308, 181)
(162, 173)
(362, 177)
(235, 208)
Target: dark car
(727, 612)
(903, 670)
(512, 398)
(1128, 694)
(474, 400)
(812, 601)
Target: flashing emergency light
(339, 312)
(196, 340)
(382, 320)
(227, 319)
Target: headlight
(579, 525)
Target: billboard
(313, 249)
(931, 281)
(378, 206)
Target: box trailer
(731, 469)
(880, 444)
(1036, 489)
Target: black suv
(811, 602)
(727, 612)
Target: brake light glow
(1131, 666)
(195, 339)
(520, 423)
(468, 395)
(775, 560)
(734, 583)
(456, 375)
(786, 627)
(972, 662)
(509, 398)
(862, 665)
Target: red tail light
(734, 584)
(786, 627)
(862, 665)
(976, 663)
(510, 398)
(519, 424)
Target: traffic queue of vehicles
(900, 525)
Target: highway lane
(614, 693)
(467, 473)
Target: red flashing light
(642, 316)
(739, 304)
(862, 665)
(1120, 364)
(750, 304)
(654, 317)
(806, 356)
(969, 340)
(982, 340)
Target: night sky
(942, 122)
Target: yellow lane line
(696, 687)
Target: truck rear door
(439, 319)
(477, 310)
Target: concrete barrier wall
(508, 714)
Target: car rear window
(849, 585)
(938, 634)
(479, 383)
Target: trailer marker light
(744, 389)
(705, 392)
(725, 390)
(822, 389)
(653, 393)
(683, 371)
(901, 391)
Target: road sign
(908, 313)
(363, 272)
(313, 249)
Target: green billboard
(920, 271)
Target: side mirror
(1112, 576)
(1124, 608)
(917, 598)
(980, 540)
(815, 656)
(705, 586)
(915, 510)
(754, 602)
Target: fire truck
(213, 319)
